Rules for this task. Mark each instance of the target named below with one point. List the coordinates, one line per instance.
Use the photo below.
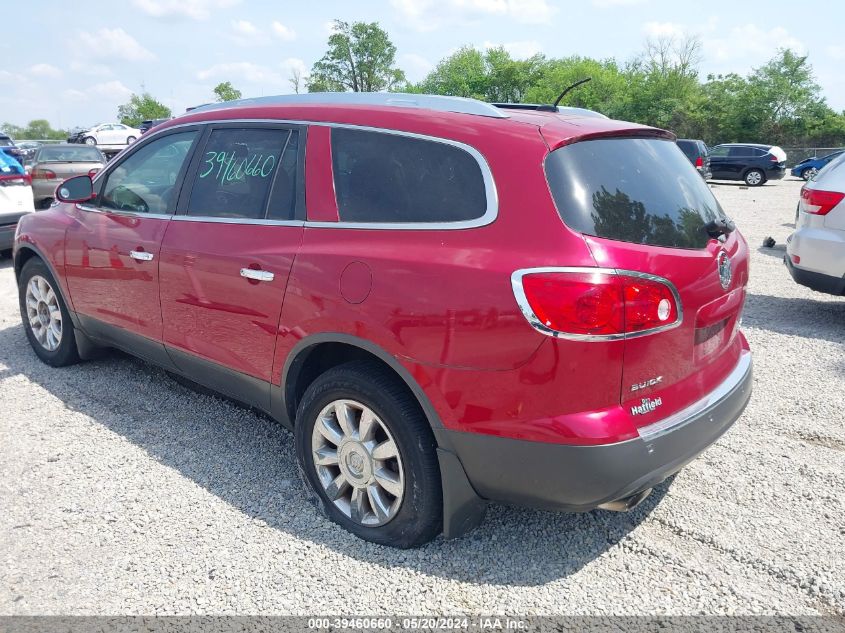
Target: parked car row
(752, 163)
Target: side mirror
(76, 189)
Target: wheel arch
(463, 508)
(27, 251)
(319, 352)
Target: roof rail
(440, 103)
(572, 111)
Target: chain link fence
(795, 155)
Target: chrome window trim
(490, 191)
(185, 218)
(128, 214)
(219, 220)
(682, 417)
(537, 324)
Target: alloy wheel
(44, 313)
(810, 173)
(753, 178)
(358, 462)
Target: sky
(74, 63)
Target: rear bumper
(42, 189)
(7, 236)
(580, 478)
(775, 173)
(815, 281)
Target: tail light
(43, 174)
(699, 162)
(595, 304)
(93, 172)
(774, 158)
(819, 202)
(10, 180)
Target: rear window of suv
(636, 190)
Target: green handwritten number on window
(228, 169)
(210, 162)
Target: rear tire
(754, 178)
(45, 316)
(130, 140)
(379, 479)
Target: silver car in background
(53, 164)
(815, 252)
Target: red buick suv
(448, 302)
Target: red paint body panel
(103, 280)
(319, 183)
(210, 310)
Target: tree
(360, 58)
(38, 129)
(295, 80)
(141, 108)
(491, 75)
(225, 91)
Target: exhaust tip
(628, 503)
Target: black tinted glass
(283, 195)
(236, 172)
(383, 177)
(634, 190)
(689, 148)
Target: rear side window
(238, 173)
(391, 178)
(633, 190)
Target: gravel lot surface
(124, 492)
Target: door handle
(257, 275)
(141, 256)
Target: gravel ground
(123, 492)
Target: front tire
(89, 140)
(807, 174)
(45, 316)
(754, 178)
(367, 455)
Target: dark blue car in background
(809, 167)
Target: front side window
(241, 170)
(145, 182)
(390, 178)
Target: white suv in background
(815, 252)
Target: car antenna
(553, 108)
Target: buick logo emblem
(725, 273)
